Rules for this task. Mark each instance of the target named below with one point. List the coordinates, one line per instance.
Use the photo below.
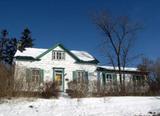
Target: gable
(87, 58)
(37, 54)
(55, 47)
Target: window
(58, 55)
(80, 76)
(108, 77)
(35, 75)
(138, 79)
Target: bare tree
(119, 36)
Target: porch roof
(127, 70)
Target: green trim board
(70, 53)
(26, 58)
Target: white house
(63, 65)
(57, 63)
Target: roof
(30, 52)
(126, 69)
(83, 55)
(37, 53)
(116, 68)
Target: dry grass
(6, 80)
(50, 89)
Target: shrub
(77, 89)
(50, 89)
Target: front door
(59, 78)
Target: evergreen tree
(9, 46)
(26, 40)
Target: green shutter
(42, 75)
(28, 75)
(74, 75)
(104, 78)
(86, 77)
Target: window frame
(58, 55)
(36, 78)
(80, 76)
(108, 78)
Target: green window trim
(74, 75)
(41, 75)
(85, 74)
(29, 74)
(105, 76)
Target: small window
(109, 77)
(138, 78)
(58, 55)
(80, 76)
(35, 75)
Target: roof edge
(26, 58)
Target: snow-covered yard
(108, 106)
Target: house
(56, 63)
(37, 66)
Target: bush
(50, 89)
(77, 89)
(6, 80)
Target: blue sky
(69, 22)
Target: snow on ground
(108, 106)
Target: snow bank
(108, 106)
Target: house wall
(130, 85)
(47, 64)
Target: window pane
(35, 75)
(58, 55)
(81, 76)
(53, 55)
(63, 55)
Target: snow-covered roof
(116, 68)
(30, 52)
(83, 55)
(34, 52)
